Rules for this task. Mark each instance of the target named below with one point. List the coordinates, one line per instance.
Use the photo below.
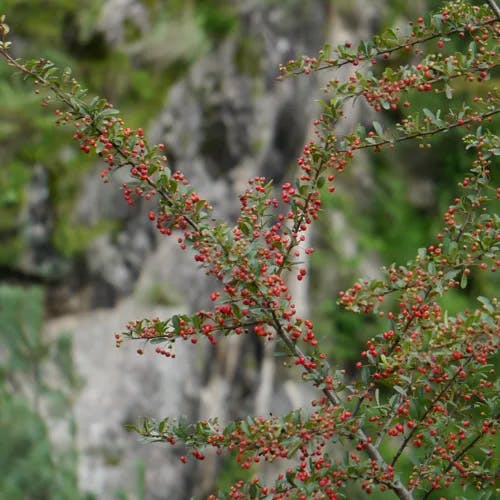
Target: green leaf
(161, 426)
(431, 268)
(176, 324)
(157, 341)
(245, 428)
(99, 147)
(399, 389)
(451, 274)
(378, 128)
(365, 375)
(253, 490)
(293, 449)
(463, 281)
(385, 104)
(290, 479)
(429, 114)
(486, 303)
(109, 112)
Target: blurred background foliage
(38, 383)
(384, 223)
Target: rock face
(228, 120)
(119, 388)
(38, 223)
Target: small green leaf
(431, 268)
(253, 490)
(365, 375)
(245, 428)
(109, 112)
(176, 323)
(244, 227)
(290, 479)
(378, 128)
(99, 147)
(429, 114)
(486, 304)
(293, 449)
(161, 426)
(463, 281)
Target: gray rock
(119, 388)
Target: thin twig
(430, 407)
(453, 460)
(495, 8)
(396, 485)
(409, 43)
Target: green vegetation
(394, 204)
(37, 383)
